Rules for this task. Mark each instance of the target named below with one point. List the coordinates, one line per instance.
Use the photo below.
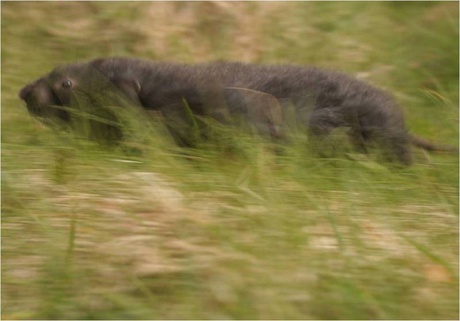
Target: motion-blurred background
(231, 232)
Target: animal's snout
(25, 92)
(37, 90)
(38, 97)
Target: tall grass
(238, 227)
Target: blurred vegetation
(234, 229)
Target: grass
(233, 229)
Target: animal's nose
(25, 92)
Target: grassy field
(231, 230)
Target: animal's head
(76, 92)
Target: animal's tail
(426, 145)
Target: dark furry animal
(322, 100)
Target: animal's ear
(129, 87)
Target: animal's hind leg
(359, 139)
(401, 149)
(395, 146)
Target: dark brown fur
(323, 100)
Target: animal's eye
(67, 83)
